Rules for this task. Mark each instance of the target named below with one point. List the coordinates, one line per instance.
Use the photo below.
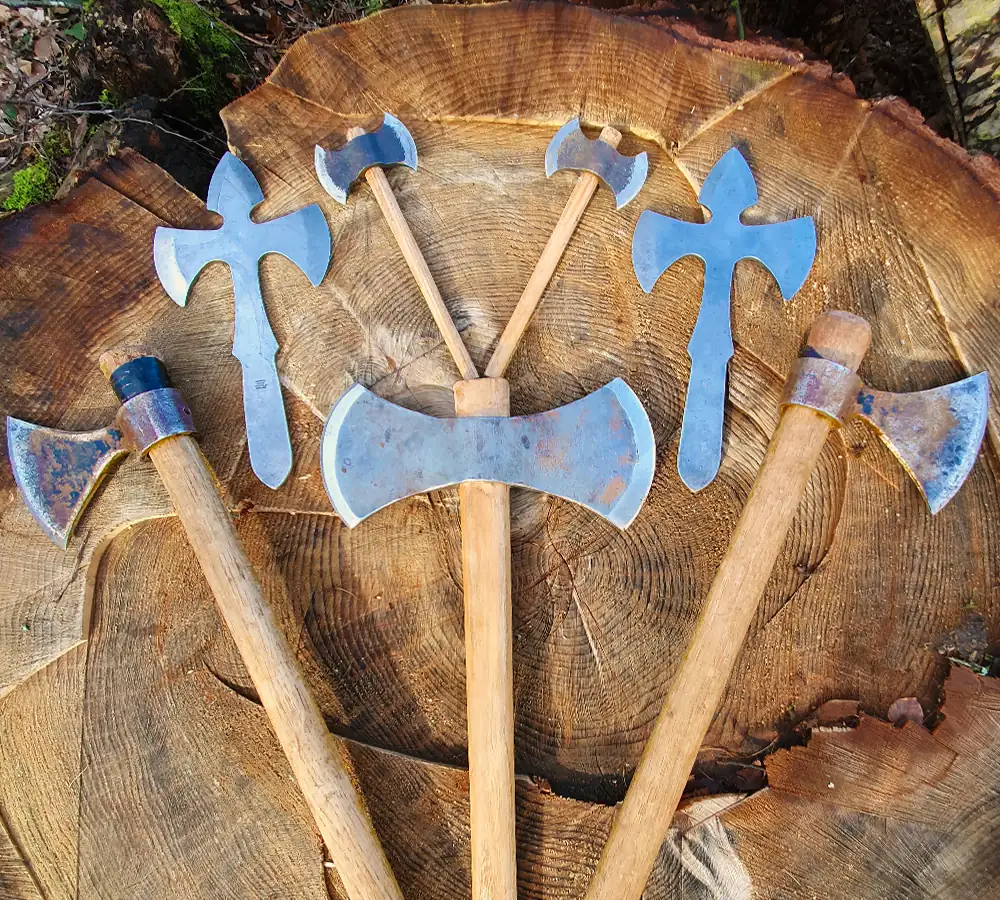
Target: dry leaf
(906, 709)
(46, 48)
(6, 14)
(31, 17)
(25, 66)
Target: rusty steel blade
(935, 434)
(57, 472)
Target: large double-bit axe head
(57, 472)
(389, 145)
(571, 149)
(597, 451)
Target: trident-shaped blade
(785, 248)
(57, 472)
(598, 452)
(302, 237)
(935, 434)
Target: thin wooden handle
(485, 511)
(546, 266)
(319, 763)
(644, 817)
(418, 266)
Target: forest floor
(79, 79)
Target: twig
(735, 5)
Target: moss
(210, 50)
(32, 184)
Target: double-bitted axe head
(787, 248)
(57, 471)
(571, 149)
(389, 145)
(597, 451)
(301, 236)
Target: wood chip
(906, 709)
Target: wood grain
(907, 238)
(319, 765)
(485, 516)
(545, 268)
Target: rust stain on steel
(935, 434)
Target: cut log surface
(138, 762)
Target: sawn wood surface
(134, 758)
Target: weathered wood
(907, 230)
(320, 767)
(965, 35)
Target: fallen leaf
(25, 66)
(906, 709)
(6, 14)
(76, 31)
(33, 18)
(46, 48)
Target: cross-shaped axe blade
(302, 237)
(786, 249)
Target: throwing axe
(785, 248)
(57, 473)
(302, 237)
(935, 434)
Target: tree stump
(134, 759)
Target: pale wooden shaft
(644, 818)
(318, 762)
(418, 265)
(546, 266)
(485, 513)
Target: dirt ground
(77, 81)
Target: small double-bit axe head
(935, 434)
(571, 149)
(302, 237)
(598, 451)
(389, 145)
(57, 472)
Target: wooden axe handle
(418, 265)
(545, 267)
(644, 818)
(319, 763)
(485, 512)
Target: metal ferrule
(822, 385)
(150, 417)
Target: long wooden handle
(644, 817)
(318, 762)
(485, 511)
(418, 265)
(546, 266)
